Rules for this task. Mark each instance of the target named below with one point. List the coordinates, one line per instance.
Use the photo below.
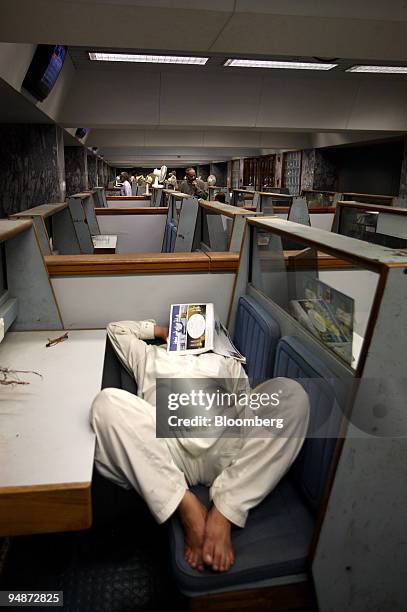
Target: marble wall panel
(32, 168)
(76, 170)
(92, 171)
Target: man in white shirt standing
(240, 471)
(126, 187)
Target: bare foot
(193, 517)
(217, 548)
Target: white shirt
(147, 362)
(126, 189)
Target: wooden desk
(46, 441)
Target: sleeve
(200, 191)
(127, 338)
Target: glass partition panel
(319, 199)
(330, 297)
(379, 227)
(216, 231)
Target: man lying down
(240, 471)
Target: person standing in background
(192, 185)
(126, 187)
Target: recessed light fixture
(253, 63)
(147, 59)
(379, 69)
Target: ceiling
(146, 114)
(368, 29)
(14, 108)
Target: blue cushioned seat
(170, 237)
(273, 543)
(326, 394)
(256, 336)
(276, 539)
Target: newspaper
(194, 329)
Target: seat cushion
(326, 394)
(274, 542)
(170, 237)
(256, 336)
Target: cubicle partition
(138, 230)
(156, 195)
(118, 201)
(54, 348)
(267, 201)
(220, 227)
(180, 227)
(370, 198)
(213, 190)
(321, 199)
(99, 197)
(335, 310)
(316, 198)
(243, 198)
(384, 225)
(47, 388)
(321, 218)
(138, 190)
(87, 287)
(54, 227)
(90, 238)
(27, 301)
(296, 209)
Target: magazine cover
(191, 328)
(328, 314)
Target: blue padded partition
(170, 237)
(256, 336)
(173, 237)
(327, 396)
(164, 248)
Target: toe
(207, 552)
(217, 560)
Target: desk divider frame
(360, 477)
(27, 278)
(84, 219)
(99, 197)
(211, 213)
(64, 237)
(184, 209)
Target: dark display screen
(44, 70)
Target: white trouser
(239, 471)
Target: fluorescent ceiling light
(379, 69)
(252, 63)
(147, 59)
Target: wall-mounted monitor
(44, 70)
(81, 132)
